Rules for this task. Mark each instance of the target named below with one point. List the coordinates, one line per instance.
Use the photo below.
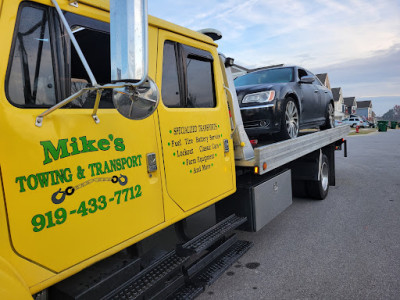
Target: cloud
(355, 41)
(373, 76)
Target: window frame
(49, 11)
(60, 51)
(182, 53)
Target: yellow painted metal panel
(196, 167)
(11, 284)
(39, 165)
(102, 4)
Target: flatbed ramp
(278, 154)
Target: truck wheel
(289, 121)
(319, 189)
(329, 117)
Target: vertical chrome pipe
(129, 41)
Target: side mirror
(137, 102)
(138, 97)
(307, 79)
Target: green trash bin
(382, 126)
(393, 124)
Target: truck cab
(76, 189)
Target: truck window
(44, 67)
(170, 83)
(188, 79)
(31, 76)
(200, 82)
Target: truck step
(189, 291)
(222, 263)
(212, 272)
(163, 275)
(210, 236)
(97, 280)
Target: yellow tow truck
(120, 133)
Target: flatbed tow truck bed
(278, 154)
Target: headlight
(261, 97)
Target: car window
(301, 73)
(280, 75)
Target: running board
(161, 276)
(199, 262)
(212, 272)
(210, 236)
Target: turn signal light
(255, 170)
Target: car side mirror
(307, 79)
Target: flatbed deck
(281, 153)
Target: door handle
(326, 92)
(316, 91)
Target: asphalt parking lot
(345, 247)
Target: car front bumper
(260, 119)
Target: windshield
(266, 76)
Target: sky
(357, 42)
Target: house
(364, 109)
(350, 104)
(323, 77)
(338, 101)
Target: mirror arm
(75, 43)
(96, 106)
(39, 118)
(99, 89)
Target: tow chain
(57, 199)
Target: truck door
(194, 122)
(73, 188)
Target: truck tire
(319, 189)
(329, 117)
(290, 120)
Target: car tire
(319, 189)
(290, 120)
(329, 117)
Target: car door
(322, 99)
(309, 98)
(73, 188)
(195, 132)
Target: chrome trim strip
(258, 106)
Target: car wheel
(319, 189)
(289, 121)
(329, 117)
